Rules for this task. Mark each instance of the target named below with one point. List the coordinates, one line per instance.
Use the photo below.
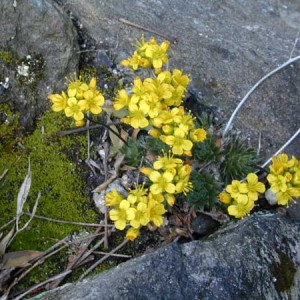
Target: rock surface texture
(226, 47)
(255, 258)
(41, 44)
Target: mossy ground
(56, 173)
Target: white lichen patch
(23, 70)
(5, 84)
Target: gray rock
(226, 46)
(40, 38)
(293, 211)
(102, 59)
(255, 258)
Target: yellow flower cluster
(155, 104)
(284, 178)
(241, 196)
(138, 209)
(169, 176)
(142, 206)
(177, 129)
(80, 97)
(148, 55)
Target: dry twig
(68, 222)
(96, 264)
(171, 39)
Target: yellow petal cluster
(156, 103)
(284, 178)
(148, 55)
(79, 98)
(169, 176)
(138, 209)
(240, 197)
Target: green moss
(55, 175)
(8, 125)
(6, 57)
(87, 74)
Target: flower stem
(111, 130)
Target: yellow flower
(239, 210)
(167, 129)
(158, 197)
(238, 191)
(155, 106)
(178, 142)
(198, 135)
(170, 199)
(136, 61)
(156, 212)
(74, 109)
(164, 77)
(137, 195)
(122, 214)
(288, 176)
(254, 187)
(236, 188)
(179, 80)
(162, 182)
(137, 117)
(93, 84)
(157, 54)
(142, 217)
(113, 198)
(282, 162)
(146, 171)
(296, 178)
(184, 186)
(122, 100)
(277, 182)
(167, 161)
(166, 117)
(59, 101)
(132, 234)
(283, 198)
(73, 86)
(93, 100)
(162, 90)
(184, 171)
(138, 90)
(225, 197)
(79, 123)
(156, 133)
(177, 96)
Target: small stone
(204, 224)
(271, 197)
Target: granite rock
(41, 43)
(254, 258)
(226, 47)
